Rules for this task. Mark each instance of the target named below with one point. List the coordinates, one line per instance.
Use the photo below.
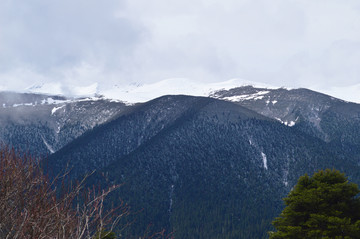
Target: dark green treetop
(322, 206)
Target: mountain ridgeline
(42, 124)
(201, 167)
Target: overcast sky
(291, 43)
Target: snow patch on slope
(257, 96)
(23, 104)
(263, 155)
(48, 146)
(51, 101)
(264, 160)
(290, 123)
(56, 109)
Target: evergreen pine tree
(322, 206)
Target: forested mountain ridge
(313, 112)
(55, 121)
(332, 120)
(198, 166)
(42, 124)
(206, 168)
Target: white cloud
(293, 43)
(348, 93)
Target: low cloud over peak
(313, 44)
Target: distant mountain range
(203, 167)
(136, 92)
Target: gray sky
(292, 43)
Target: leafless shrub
(31, 208)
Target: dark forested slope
(201, 167)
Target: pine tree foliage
(322, 206)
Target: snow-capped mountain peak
(136, 92)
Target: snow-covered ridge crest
(58, 101)
(138, 92)
(143, 92)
